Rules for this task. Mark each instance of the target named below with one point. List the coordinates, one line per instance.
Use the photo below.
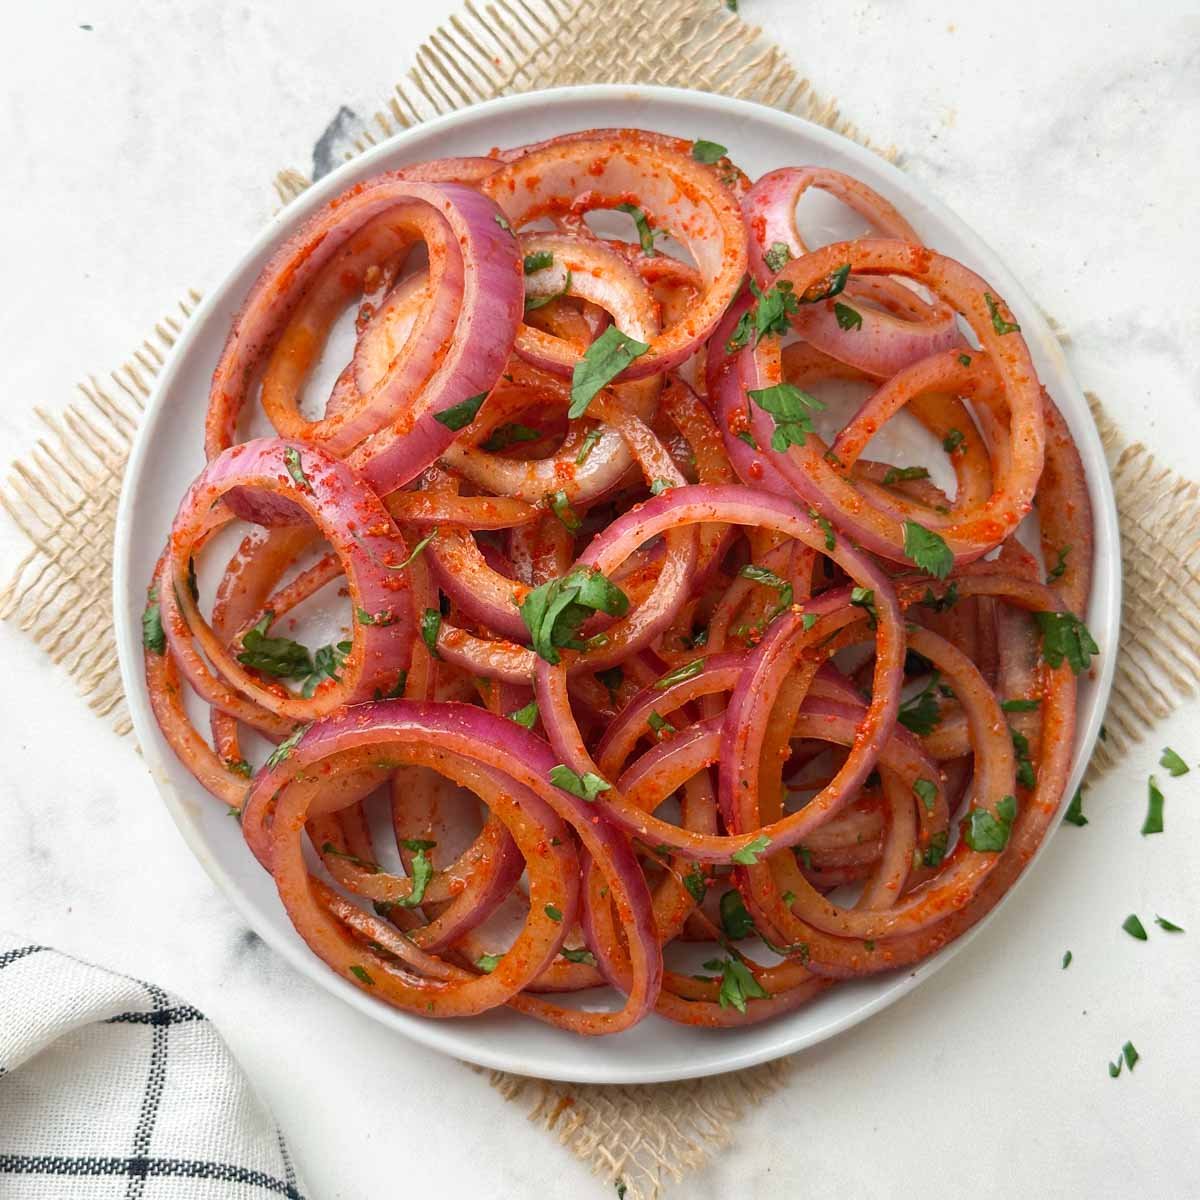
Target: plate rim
(446, 1037)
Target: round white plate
(168, 454)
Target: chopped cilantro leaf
(1065, 636)
(928, 550)
(538, 261)
(154, 637)
(687, 671)
(508, 435)
(603, 361)
(987, 832)
(707, 152)
(587, 786)
(847, 318)
(999, 324)
(735, 920)
(864, 598)
(926, 792)
(461, 414)
(904, 474)
(580, 955)
(525, 717)
(645, 233)
(1174, 765)
(1134, 927)
(1074, 813)
(554, 611)
(778, 256)
(431, 624)
(291, 458)
(747, 856)
(1154, 811)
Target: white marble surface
(138, 160)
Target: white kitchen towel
(110, 1087)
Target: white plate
(168, 454)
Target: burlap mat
(64, 493)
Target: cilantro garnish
(999, 324)
(926, 791)
(525, 717)
(735, 920)
(661, 726)
(562, 509)
(646, 235)
(587, 786)
(696, 884)
(1060, 566)
(707, 152)
(554, 612)
(281, 657)
(1173, 763)
(987, 832)
(825, 289)
(580, 955)
(936, 850)
(431, 624)
(778, 256)
(770, 579)
(904, 474)
(790, 407)
(921, 714)
(291, 459)
(826, 528)
(1074, 813)
(864, 598)
(1134, 927)
(603, 361)
(463, 413)
(589, 443)
(687, 671)
(927, 550)
(286, 746)
(847, 318)
(1154, 811)
(538, 261)
(738, 984)
(747, 856)
(1026, 776)
(1064, 635)
(510, 435)
(154, 637)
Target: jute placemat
(63, 495)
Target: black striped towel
(110, 1087)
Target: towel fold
(111, 1087)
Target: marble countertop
(141, 137)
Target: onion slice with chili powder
(774, 718)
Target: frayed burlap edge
(1159, 663)
(64, 494)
